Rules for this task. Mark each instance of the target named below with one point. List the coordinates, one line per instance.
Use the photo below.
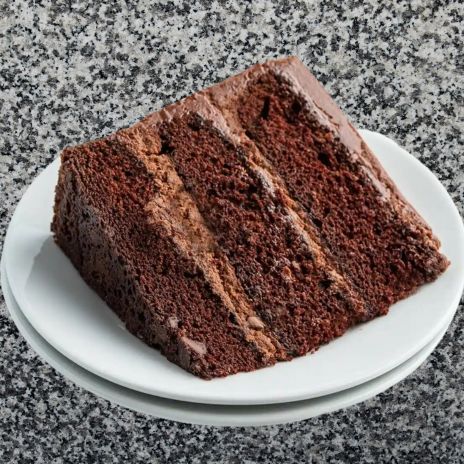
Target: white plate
(206, 414)
(77, 323)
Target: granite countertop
(70, 71)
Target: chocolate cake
(244, 225)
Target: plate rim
(223, 398)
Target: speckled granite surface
(70, 71)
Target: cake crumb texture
(241, 226)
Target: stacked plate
(72, 329)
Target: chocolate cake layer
(244, 225)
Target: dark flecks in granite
(70, 71)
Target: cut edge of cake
(172, 206)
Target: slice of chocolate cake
(244, 225)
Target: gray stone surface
(70, 71)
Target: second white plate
(208, 414)
(71, 317)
